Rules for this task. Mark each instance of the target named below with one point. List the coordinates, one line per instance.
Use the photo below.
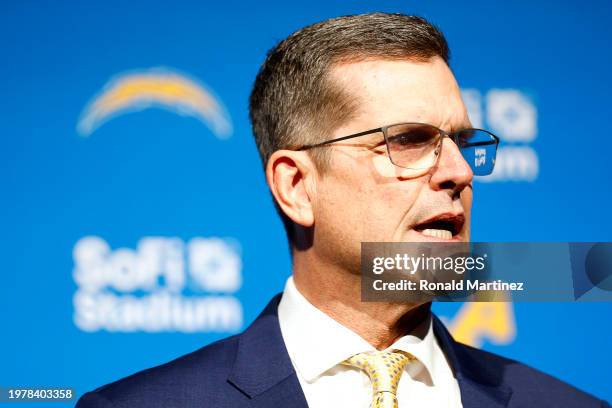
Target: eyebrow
(464, 125)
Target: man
(361, 129)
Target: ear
(290, 176)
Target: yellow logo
(157, 87)
(491, 320)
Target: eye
(413, 137)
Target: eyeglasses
(417, 146)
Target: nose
(451, 172)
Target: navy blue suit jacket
(253, 369)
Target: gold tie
(384, 370)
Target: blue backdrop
(136, 223)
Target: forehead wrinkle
(455, 125)
(456, 118)
(438, 112)
(440, 106)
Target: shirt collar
(316, 342)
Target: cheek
(338, 209)
(349, 211)
(367, 203)
(394, 184)
(466, 199)
(389, 206)
(382, 169)
(466, 202)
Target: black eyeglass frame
(454, 136)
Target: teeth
(437, 233)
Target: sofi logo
(165, 284)
(511, 115)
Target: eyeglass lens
(416, 146)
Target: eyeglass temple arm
(366, 132)
(486, 143)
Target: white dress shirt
(317, 344)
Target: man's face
(363, 196)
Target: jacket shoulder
(195, 377)
(530, 387)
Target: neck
(337, 293)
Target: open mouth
(443, 226)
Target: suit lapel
(480, 380)
(263, 370)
